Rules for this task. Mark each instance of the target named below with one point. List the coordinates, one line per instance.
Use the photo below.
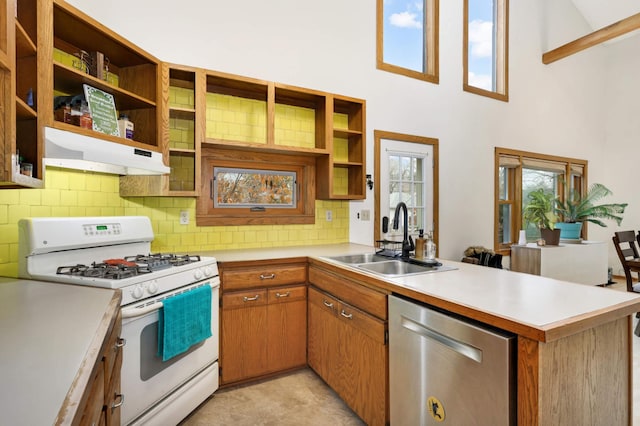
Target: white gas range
(115, 252)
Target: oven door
(146, 379)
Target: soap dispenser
(420, 245)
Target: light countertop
(540, 308)
(50, 341)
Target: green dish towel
(185, 319)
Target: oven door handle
(138, 312)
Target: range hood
(73, 151)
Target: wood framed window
(407, 38)
(256, 188)
(517, 173)
(486, 48)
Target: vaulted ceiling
(600, 13)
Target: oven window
(150, 363)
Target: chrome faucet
(407, 242)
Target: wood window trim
(304, 166)
(502, 54)
(378, 135)
(516, 223)
(432, 42)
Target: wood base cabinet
(264, 328)
(348, 348)
(104, 397)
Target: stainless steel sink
(383, 265)
(396, 267)
(360, 258)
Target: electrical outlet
(365, 215)
(184, 217)
(329, 215)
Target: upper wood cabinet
(258, 115)
(74, 49)
(18, 91)
(182, 109)
(344, 169)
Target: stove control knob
(152, 288)
(137, 292)
(197, 274)
(208, 271)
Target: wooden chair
(626, 244)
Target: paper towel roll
(523, 238)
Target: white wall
(330, 45)
(621, 149)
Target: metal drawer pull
(327, 304)
(267, 277)
(251, 299)
(283, 294)
(121, 342)
(119, 403)
(344, 314)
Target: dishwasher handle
(453, 344)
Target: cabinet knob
(328, 304)
(267, 277)
(283, 294)
(121, 342)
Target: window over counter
(518, 173)
(255, 188)
(486, 48)
(407, 38)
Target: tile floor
(302, 399)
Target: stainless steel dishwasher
(448, 370)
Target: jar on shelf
(86, 122)
(125, 126)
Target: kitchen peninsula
(570, 337)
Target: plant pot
(569, 231)
(551, 237)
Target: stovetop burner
(129, 266)
(100, 270)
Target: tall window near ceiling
(407, 38)
(517, 174)
(486, 48)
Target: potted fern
(539, 211)
(578, 209)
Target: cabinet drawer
(243, 299)
(369, 300)
(324, 301)
(286, 294)
(367, 324)
(350, 315)
(263, 276)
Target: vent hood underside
(73, 151)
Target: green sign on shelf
(103, 110)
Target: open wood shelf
(70, 80)
(24, 111)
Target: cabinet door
(323, 338)
(287, 327)
(362, 366)
(243, 337)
